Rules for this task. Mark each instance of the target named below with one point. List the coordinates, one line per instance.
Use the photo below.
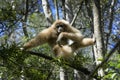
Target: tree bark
(98, 48)
(69, 12)
(47, 11)
(63, 9)
(63, 74)
(57, 11)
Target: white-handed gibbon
(48, 35)
(60, 31)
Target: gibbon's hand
(94, 39)
(59, 43)
(59, 39)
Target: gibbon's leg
(77, 37)
(64, 51)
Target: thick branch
(82, 69)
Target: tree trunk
(63, 74)
(47, 12)
(57, 12)
(63, 9)
(69, 12)
(76, 75)
(98, 48)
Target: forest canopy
(21, 20)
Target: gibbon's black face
(60, 28)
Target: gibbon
(48, 35)
(66, 51)
(59, 33)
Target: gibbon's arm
(83, 43)
(40, 39)
(87, 42)
(77, 37)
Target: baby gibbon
(66, 51)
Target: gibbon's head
(60, 25)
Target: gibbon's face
(60, 28)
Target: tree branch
(75, 16)
(80, 68)
(105, 60)
(25, 19)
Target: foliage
(113, 68)
(15, 64)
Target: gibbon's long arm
(40, 39)
(77, 37)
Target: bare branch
(75, 16)
(25, 19)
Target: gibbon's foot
(94, 39)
